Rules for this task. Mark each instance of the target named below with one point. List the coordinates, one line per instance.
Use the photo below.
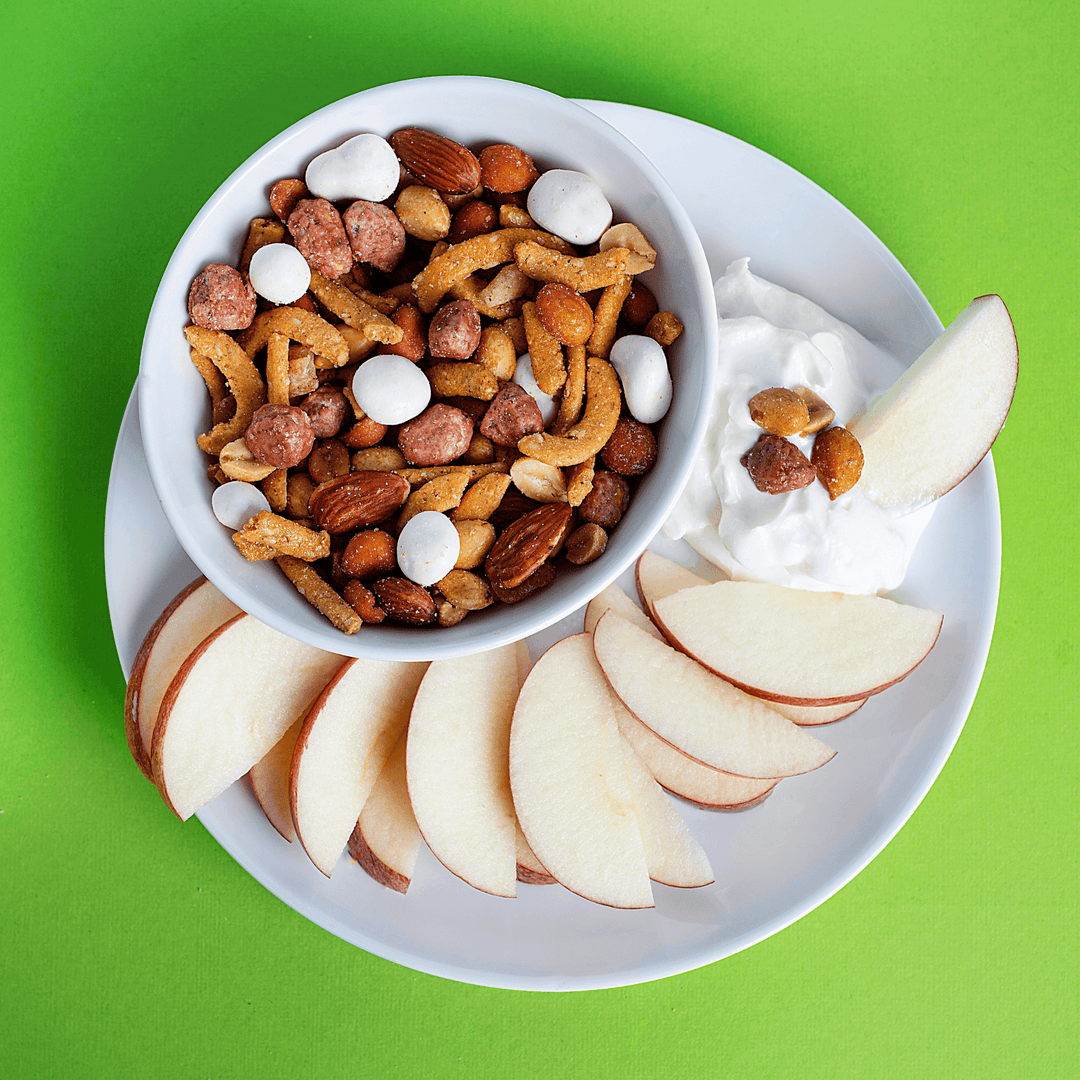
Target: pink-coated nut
(512, 414)
(327, 409)
(280, 435)
(375, 233)
(319, 235)
(454, 332)
(608, 500)
(436, 437)
(220, 299)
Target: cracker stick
(277, 370)
(580, 274)
(603, 402)
(483, 252)
(354, 311)
(297, 325)
(317, 593)
(548, 365)
(607, 316)
(245, 384)
(573, 394)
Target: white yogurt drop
(363, 167)
(391, 389)
(524, 377)
(772, 337)
(428, 547)
(279, 273)
(569, 204)
(237, 501)
(643, 371)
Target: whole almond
(838, 459)
(357, 500)
(779, 411)
(405, 601)
(436, 161)
(525, 545)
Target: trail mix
(434, 377)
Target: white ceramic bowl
(173, 405)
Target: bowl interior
(473, 111)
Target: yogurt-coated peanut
(391, 389)
(569, 204)
(428, 547)
(363, 167)
(646, 381)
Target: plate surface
(773, 863)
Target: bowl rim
(432, 643)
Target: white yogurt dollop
(772, 337)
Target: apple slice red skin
(138, 669)
(170, 696)
(280, 817)
(767, 695)
(373, 866)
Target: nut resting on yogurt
(451, 348)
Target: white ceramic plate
(773, 863)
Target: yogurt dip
(772, 337)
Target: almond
(543, 576)
(357, 500)
(405, 601)
(436, 161)
(524, 545)
(838, 459)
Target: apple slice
(938, 420)
(347, 736)
(456, 763)
(796, 646)
(706, 787)
(234, 696)
(816, 715)
(568, 776)
(530, 870)
(270, 781)
(386, 841)
(672, 855)
(658, 577)
(195, 612)
(614, 597)
(697, 712)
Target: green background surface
(135, 947)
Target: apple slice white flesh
(530, 870)
(658, 577)
(270, 781)
(233, 698)
(796, 646)
(689, 779)
(195, 612)
(568, 775)
(614, 597)
(816, 715)
(697, 712)
(938, 420)
(386, 841)
(457, 765)
(672, 855)
(347, 736)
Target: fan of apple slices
(511, 775)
